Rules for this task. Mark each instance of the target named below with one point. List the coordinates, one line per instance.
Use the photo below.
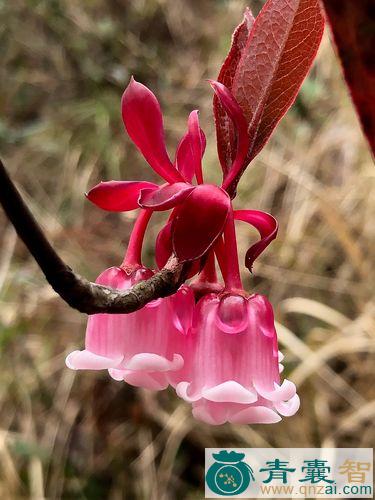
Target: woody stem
(79, 293)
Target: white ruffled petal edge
(227, 392)
(284, 401)
(249, 415)
(282, 392)
(147, 370)
(87, 360)
(288, 408)
(151, 362)
(155, 381)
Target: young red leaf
(118, 196)
(199, 222)
(235, 113)
(353, 27)
(279, 52)
(226, 136)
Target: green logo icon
(229, 475)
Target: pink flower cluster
(212, 341)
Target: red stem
(232, 275)
(220, 255)
(208, 274)
(133, 255)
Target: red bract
(267, 227)
(185, 161)
(165, 197)
(265, 73)
(200, 221)
(353, 27)
(119, 196)
(144, 123)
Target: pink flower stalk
(143, 347)
(232, 363)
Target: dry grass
(82, 436)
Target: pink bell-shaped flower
(142, 347)
(232, 363)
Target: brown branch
(78, 292)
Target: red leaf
(165, 197)
(278, 53)
(226, 137)
(199, 221)
(267, 227)
(118, 196)
(353, 27)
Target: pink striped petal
(199, 222)
(184, 155)
(165, 197)
(118, 196)
(202, 413)
(235, 113)
(143, 121)
(267, 227)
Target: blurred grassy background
(80, 435)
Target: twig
(78, 292)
